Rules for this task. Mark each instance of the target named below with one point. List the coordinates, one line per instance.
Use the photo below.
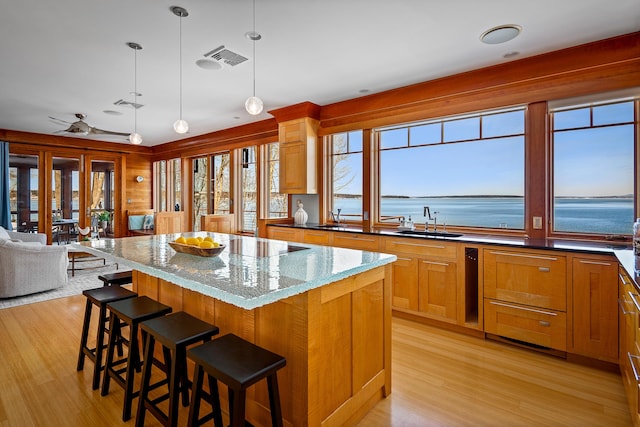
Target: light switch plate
(537, 222)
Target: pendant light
(135, 137)
(253, 104)
(180, 125)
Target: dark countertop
(622, 251)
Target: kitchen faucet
(334, 217)
(434, 218)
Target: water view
(586, 215)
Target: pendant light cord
(254, 48)
(180, 66)
(135, 90)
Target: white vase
(300, 218)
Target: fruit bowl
(195, 250)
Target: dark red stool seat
(99, 297)
(131, 312)
(239, 364)
(174, 332)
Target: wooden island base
(336, 339)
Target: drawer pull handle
(517, 307)
(594, 262)
(404, 259)
(418, 245)
(525, 256)
(623, 310)
(635, 301)
(435, 263)
(544, 269)
(623, 278)
(632, 362)
(545, 323)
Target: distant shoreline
(478, 196)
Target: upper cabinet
(298, 160)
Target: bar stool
(239, 364)
(131, 312)
(174, 332)
(117, 278)
(99, 297)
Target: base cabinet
(595, 308)
(525, 297)
(437, 289)
(629, 357)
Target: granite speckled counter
(326, 310)
(249, 273)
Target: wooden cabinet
(316, 237)
(532, 278)
(284, 233)
(404, 290)
(298, 160)
(425, 279)
(629, 357)
(595, 307)
(438, 289)
(363, 242)
(525, 296)
(217, 223)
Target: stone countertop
(249, 273)
(485, 239)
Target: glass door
(102, 197)
(65, 199)
(23, 192)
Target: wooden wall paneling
(170, 294)
(138, 194)
(537, 170)
(196, 304)
(368, 332)
(591, 68)
(169, 222)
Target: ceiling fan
(80, 127)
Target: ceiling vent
(228, 57)
(123, 103)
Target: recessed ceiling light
(364, 91)
(511, 54)
(208, 64)
(112, 112)
(500, 34)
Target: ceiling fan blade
(59, 120)
(97, 131)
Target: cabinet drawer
(417, 247)
(317, 237)
(282, 233)
(355, 241)
(533, 279)
(547, 328)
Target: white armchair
(28, 237)
(30, 267)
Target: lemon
(181, 240)
(208, 239)
(206, 245)
(200, 239)
(192, 241)
(215, 244)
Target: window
(249, 189)
(345, 169)
(168, 185)
(593, 168)
(468, 170)
(276, 201)
(200, 190)
(220, 184)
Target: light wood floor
(440, 378)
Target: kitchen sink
(430, 233)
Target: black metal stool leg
(274, 400)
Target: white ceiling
(70, 56)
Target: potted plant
(104, 217)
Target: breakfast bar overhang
(326, 310)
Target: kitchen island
(326, 310)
